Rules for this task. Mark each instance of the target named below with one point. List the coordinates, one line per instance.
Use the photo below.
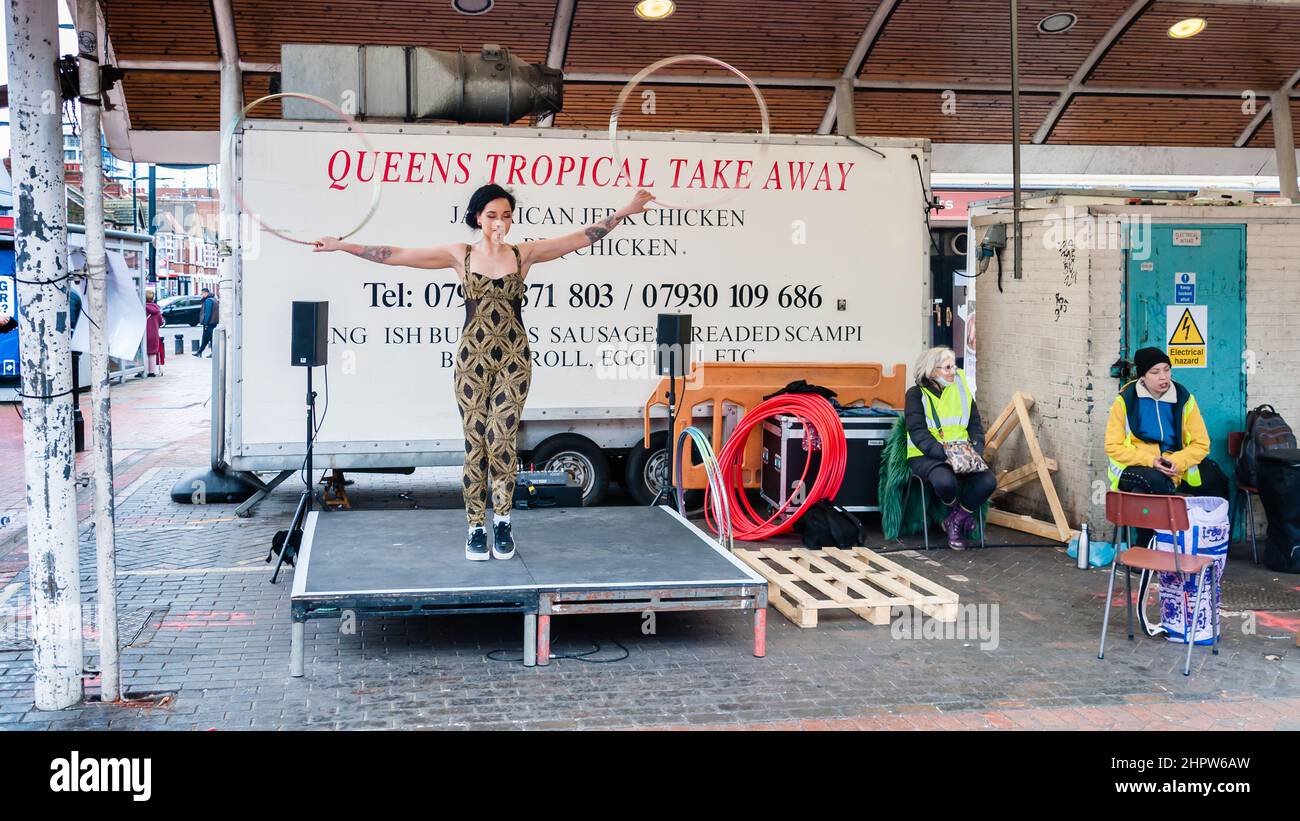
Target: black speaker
(310, 334)
(674, 337)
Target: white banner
(125, 310)
(820, 258)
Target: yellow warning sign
(1186, 332)
(1187, 356)
(1188, 329)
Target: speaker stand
(289, 550)
(668, 490)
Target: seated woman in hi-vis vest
(941, 408)
(1156, 441)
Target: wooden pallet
(802, 581)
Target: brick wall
(1273, 317)
(1034, 338)
(1064, 361)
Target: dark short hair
(206, 291)
(480, 200)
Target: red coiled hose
(819, 419)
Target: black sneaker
(503, 543)
(476, 549)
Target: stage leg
(295, 650)
(543, 640)
(760, 632)
(530, 639)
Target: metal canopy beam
(831, 83)
(1248, 132)
(853, 67)
(194, 65)
(1089, 63)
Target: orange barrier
(746, 383)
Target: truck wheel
(648, 470)
(579, 457)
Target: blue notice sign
(1184, 294)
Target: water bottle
(1082, 560)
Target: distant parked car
(182, 310)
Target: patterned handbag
(962, 457)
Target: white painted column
(92, 173)
(41, 255)
(229, 246)
(1284, 140)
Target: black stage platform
(569, 560)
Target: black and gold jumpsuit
(493, 368)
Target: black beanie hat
(1147, 358)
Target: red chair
(1154, 512)
(1244, 491)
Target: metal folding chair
(925, 516)
(1134, 510)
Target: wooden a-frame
(1016, 415)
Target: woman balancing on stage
(493, 364)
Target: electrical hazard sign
(1188, 328)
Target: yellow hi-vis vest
(1128, 400)
(953, 409)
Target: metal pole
(1018, 271)
(152, 227)
(41, 253)
(229, 250)
(1284, 139)
(135, 201)
(97, 307)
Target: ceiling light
(1058, 23)
(472, 6)
(1190, 27)
(655, 9)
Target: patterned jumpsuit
(493, 370)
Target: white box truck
(805, 248)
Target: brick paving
(208, 629)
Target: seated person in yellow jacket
(1156, 440)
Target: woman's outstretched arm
(439, 256)
(545, 250)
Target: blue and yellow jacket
(1135, 411)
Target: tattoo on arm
(600, 229)
(375, 253)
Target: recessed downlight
(1058, 23)
(655, 9)
(1190, 27)
(472, 6)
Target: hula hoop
(227, 155)
(683, 58)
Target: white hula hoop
(683, 58)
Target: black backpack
(825, 525)
(1265, 430)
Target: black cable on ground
(596, 647)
